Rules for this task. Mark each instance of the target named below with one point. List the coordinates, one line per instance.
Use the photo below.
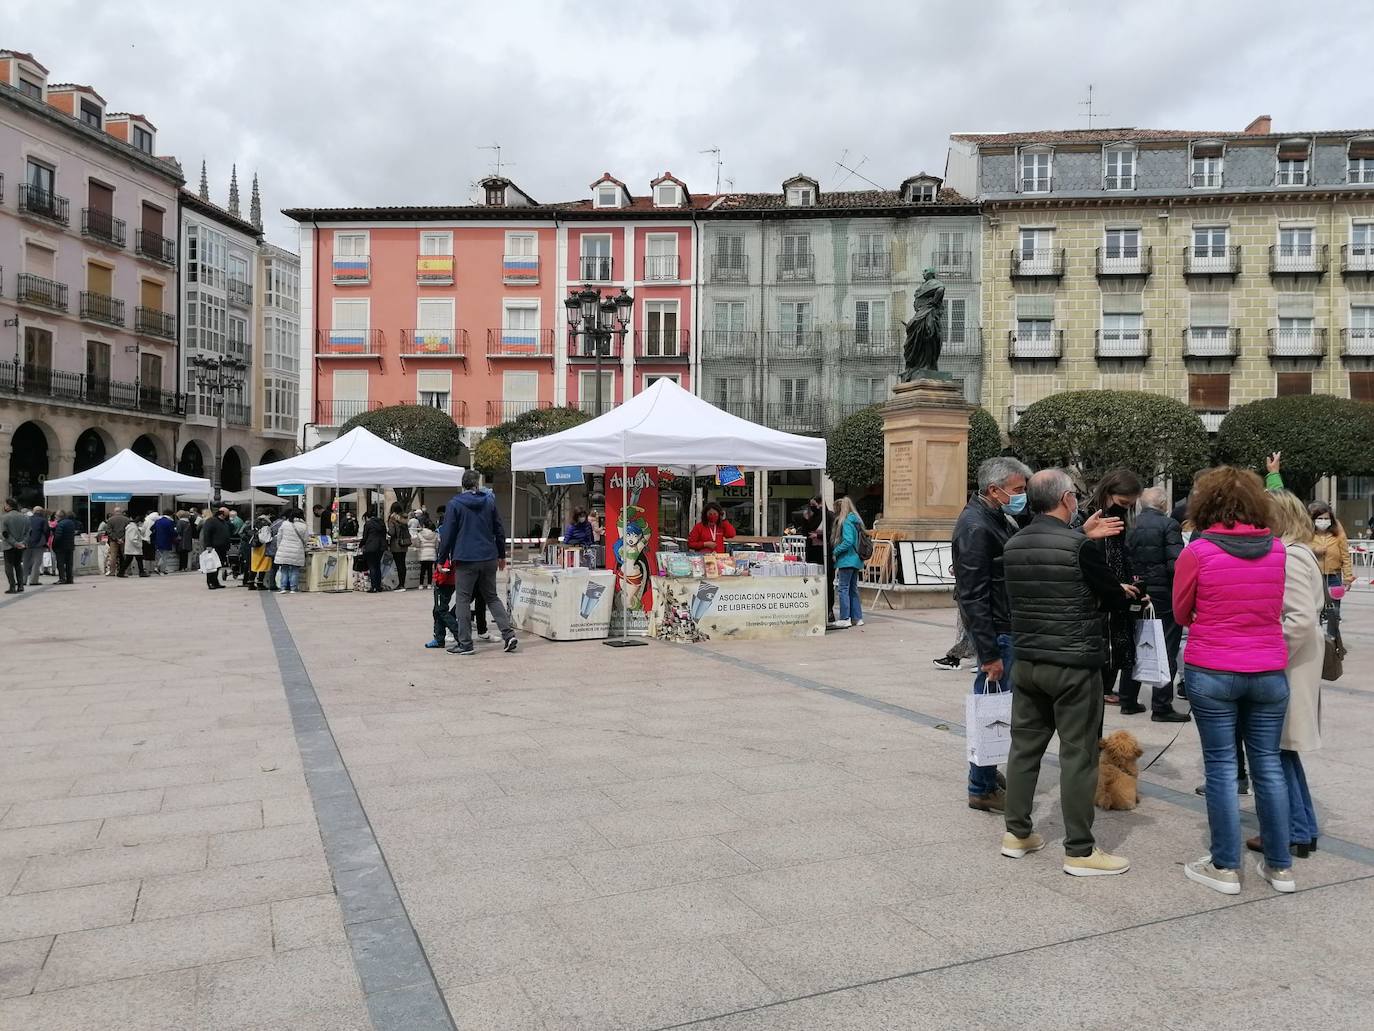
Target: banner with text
(633, 536)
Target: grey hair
(1046, 488)
(1156, 498)
(997, 471)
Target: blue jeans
(982, 780)
(288, 577)
(849, 596)
(1256, 702)
(1302, 816)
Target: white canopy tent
(243, 497)
(127, 473)
(357, 459)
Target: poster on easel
(633, 540)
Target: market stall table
(739, 608)
(562, 604)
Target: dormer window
(921, 193)
(1118, 168)
(91, 114)
(1036, 169)
(608, 196)
(496, 195)
(1292, 163)
(666, 196)
(142, 139)
(1207, 164)
(30, 88)
(1360, 158)
(801, 197)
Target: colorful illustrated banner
(729, 476)
(562, 605)
(634, 543)
(742, 608)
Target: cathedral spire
(234, 191)
(204, 183)
(255, 206)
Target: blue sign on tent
(111, 497)
(290, 490)
(561, 475)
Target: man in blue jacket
(164, 544)
(474, 540)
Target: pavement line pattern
(1336, 846)
(397, 979)
(906, 975)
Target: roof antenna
(498, 164)
(854, 171)
(715, 151)
(1089, 113)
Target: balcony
(102, 308)
(504, 411)
(43, 204)
(103, 228)
(596, 268)
(336, 413)
(587, 349)
(868, 265)
(872, 344)
(1211, 261)
(660, 268)
(1297, 343)
(1206, 180)
(150, 244)
(966, 344)
(349, 343)
(1119, 262)
(153, 323)
(1357, 260)
(796, 267)
(1297, 259)
(726, 344)
(455, 408)
(1118, 182)
(588, 406)
(740, 408)
(236, 413)
(351, 270)
(1211, 418)
(40, 293)
(794, 416)
(240, 292)
(1211, 342)
(434, 269)
(1042, 263)
(729, 268)
(793, 344)
(664, 346)
(53, 385)
(1357, 342)
(953, 264)
(520, 269)
(1122, 345)
(434, 343)
(519, 343)
(1036, 347)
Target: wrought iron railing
(796, 266)
(1029, 347)
(343, 343)
(519, 343)
(1211, 261)
(439, 342)
(103, 226)
(504, 411)
(584, 348)
(57, 385)
(45, 204)
(336, 413)
(152, 322)
(1043, 261)
(656, 345)
(722, 344)
(596, 268)
(1297, 259)
(45, 293)
(661, 267)
(1123, 261)
(1297, 343)
(102, 308)
(1211, 342)
(870, 265)
(729, 268)
(1122, 343)
(152, 244)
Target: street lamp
(216, 377)
(596, 319)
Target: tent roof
(668, 426)
(127, 473)
(358, 459)
(242, 497)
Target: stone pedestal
(925, 459)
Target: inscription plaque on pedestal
(925, 455)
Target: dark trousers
(374, 569)
(1048, 699)
(215, 579)
(427, 573)
(135, 557)
(63, 557)
(479, 579)
(14, 568)
(1161, 695)
(399, 557)
(183, 560)
(444, 617)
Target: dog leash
(1165, 748)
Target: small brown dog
(1117, 774)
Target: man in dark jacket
(1059, 586)
(980, 590)
(372, 546)
(474, 540)
(164, 543)
(186, 531)
(215, 535)
(64, 546)
(1154, 544)
(14, 531)
(114, 541)
(35, 543)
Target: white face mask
(1323, 524)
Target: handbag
(1333, 656)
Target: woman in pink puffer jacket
(1228, 590)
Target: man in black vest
(1060, 586)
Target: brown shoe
(993, 803)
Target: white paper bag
(1151, 653)
(209, 560)
(987, 722)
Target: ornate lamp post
(597, 319)
(216, 377)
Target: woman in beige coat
(1304, 596)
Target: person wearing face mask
(1332, 549)
(712, 532)
(579, 531)
(1116, 495)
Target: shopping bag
(1151, 651)
(987, 723)
(48, 565)
(209, 560)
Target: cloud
(343, 103)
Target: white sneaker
(486, 637)
(1203, 872)
(280, 590)
(859, 623)
(1279, 880)
(401, 589)
(839, 624)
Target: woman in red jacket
(712, 532)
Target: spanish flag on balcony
(434, 266)
(520, 269)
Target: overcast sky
(342, 103)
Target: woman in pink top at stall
(1228, 590)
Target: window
(596, 258)
(436, 243)
(727, 393)
(236, 337)
(660, 260)
(1207, 166)
(608, 196)
(924, 193)
(206, 256)
(432, 388)
(796, 397)
(281, 398)
(1291, 384)
(1034, 326)
(1361, 170)
(40, 179)
(519, 393)
(517, 244)
(801, 196)
(1121, 336)
(90, 114)
(727, 261)
(1362, 389)
(238, 273)
(1361, 329)
(1296, 247)
(280, 343)
(650, 378)
(1121, 245)
(1210, 242)
(869, 390)
(143, 139)
(39, 260)
(434, 322)
(30, 88)
(1209, 392)
(1362, 245)
(1036, 250)
(349, 397)
(949, 253)
(728, 316)
(586, 391)
(870, 322)
(870, 261)
(350, 245)
(665, 196)
(1035, 171)
(660, 329)
(1292, 165)
(1119, 169)
(956, 316)
(350, 326)
(1209, 319)
(99, 278)
(98, 364)
(794, 319)
(795, 260)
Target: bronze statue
(923, 333)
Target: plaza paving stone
(292, 816)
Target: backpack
(865, 544)
(402, 535)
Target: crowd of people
(27, 536)
(1051, 589)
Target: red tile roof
(25, 57)
(836, 199)
(75, 86)
(131, 116)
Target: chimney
(1261, 126)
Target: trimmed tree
(491, 456)
(421, 429)
(1089, 432)
(1319, 435)
(984, 441)
(854, 449)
